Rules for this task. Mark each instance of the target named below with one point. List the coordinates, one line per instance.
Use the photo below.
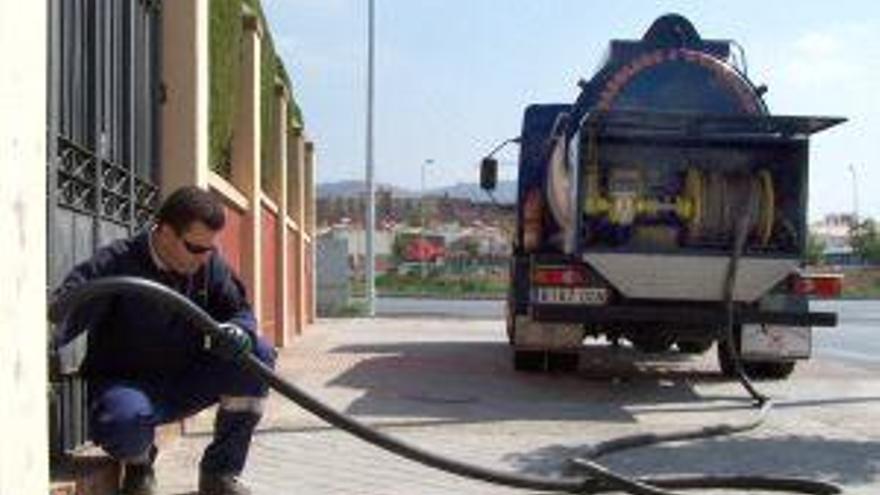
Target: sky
(452, 78)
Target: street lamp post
(855, 228)
(855, 183)
(371, 193)
(425, 164)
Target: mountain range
(505, 193)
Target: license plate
(776, 342)
(589, 296)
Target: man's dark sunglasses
(195, 248)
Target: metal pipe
(371, 195)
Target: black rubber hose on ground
(603, 480)
(726, 339)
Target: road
(411, 306)
(857, 337)
(856, 340)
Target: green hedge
(268, 71)
(225, 40)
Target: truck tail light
(824, 285)
(569, 275)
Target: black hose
(729, 341)
(630, 442)
(603, 480)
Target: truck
(665, 207)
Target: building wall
(295, 272)
(185, 111)
(264, 215)
(270, 276)
(24, 466)
(230, 237)
(333, 274)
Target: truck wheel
(530, 361)
(776, 370)
(510, 311)
(758, 370)
(563, 362)
(693, 346)
(651, 343)
(510, 323)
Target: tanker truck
(667, 208)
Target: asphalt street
(856, 339)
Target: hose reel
(708, 204)
(716, 199)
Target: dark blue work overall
(146, 367)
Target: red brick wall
(231, 238)
(292, 277)
(270, 321)
(309, 282)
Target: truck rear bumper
(561, 313)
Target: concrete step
(90, 471)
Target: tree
(339, 208)
(414, 218)
(815, 249)
(471, 247)
(398, 247)
(865, 240)
(385, 204)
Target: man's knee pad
(242, 404)
(122, 421)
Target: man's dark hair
(188, 205)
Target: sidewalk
(293, 452)
(447, 385)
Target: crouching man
(144, 366)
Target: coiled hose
(601, 481)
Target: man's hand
(230, 342)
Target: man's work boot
(221, 484)
(139, 479)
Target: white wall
(24, 445)
(185, 112)
(357, 241)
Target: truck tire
(757, 370)
(563, 362)
(775, 370)
(529, 361)
(510, 323)
(693, 346)
(651, 343)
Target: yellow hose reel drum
(766, 208)
(701, 206)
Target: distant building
(834, 232)
(356, 240)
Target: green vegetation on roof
(225, 52)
